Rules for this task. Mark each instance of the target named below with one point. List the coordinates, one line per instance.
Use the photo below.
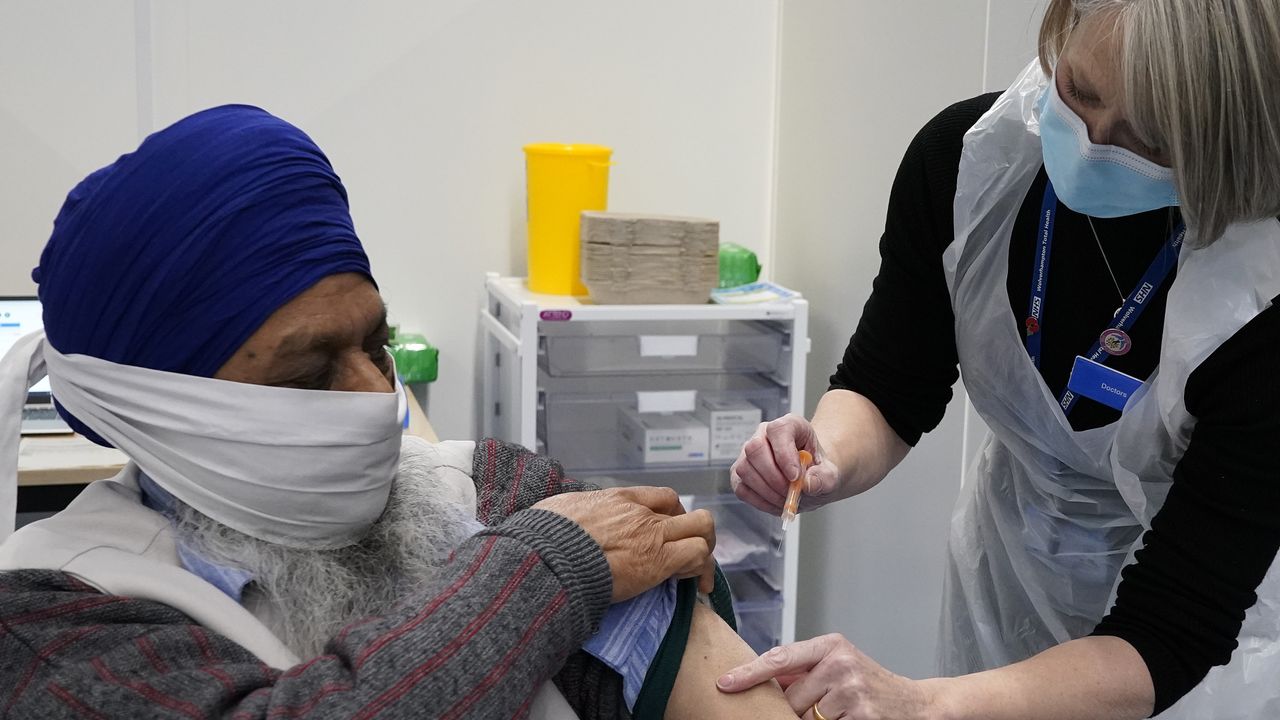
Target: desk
(58, 461)
(418, 423)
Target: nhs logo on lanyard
(1140, 296)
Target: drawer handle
(668, 345)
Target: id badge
(1099, 382)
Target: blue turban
(173, 255)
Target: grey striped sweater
(507, 614)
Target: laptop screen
(18, 317)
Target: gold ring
(817, 714)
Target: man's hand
(645, 533)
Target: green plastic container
(738, 266)
(417, 361)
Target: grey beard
(306, 596)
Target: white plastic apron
(110, 540)
(1052, 515)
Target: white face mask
(300, 468)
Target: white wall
(422, 107)
(67, 107)
(1012, 28)
(857, 81)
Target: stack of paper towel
(632, 259)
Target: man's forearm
(855, 436)
(517, 600)
(509, 478)
(1093, 678)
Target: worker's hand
(645, 533)
(836, 676)
(770, 460)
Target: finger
(786, 436)
(662, 500)
(684, 558)
(760, 456)
(808, 689)
(786, 681)
(752, 498)
(820, 482)
(707, 579)
(699, 523)
(786, 660)
(748, 474)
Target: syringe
(793, 493)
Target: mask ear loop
(402, 395)
(21, 368)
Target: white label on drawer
(668, 345)
(670, 401)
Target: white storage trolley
(566, 377)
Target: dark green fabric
(651, 703)
(722, 600)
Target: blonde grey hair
(1201, 82)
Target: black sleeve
(1182, 603)
(902, 356)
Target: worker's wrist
(942, 699)
(847, 470)
(855, 465)
(854, 473)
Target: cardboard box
(661, 438)
(633, 259)
(730, 422)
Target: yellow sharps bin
(562, 180)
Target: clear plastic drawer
(745, 537)
(735, 346)
(758, 606)
(580, 421)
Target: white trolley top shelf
(514, 292)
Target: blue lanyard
(1157, 272)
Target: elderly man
(274, 549)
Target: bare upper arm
(713, 649)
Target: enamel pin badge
(1115, 341)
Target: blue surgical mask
(1100, 180)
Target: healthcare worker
(1097, 249)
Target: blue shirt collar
(230, 580)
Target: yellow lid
(568, 149)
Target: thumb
(821, 479)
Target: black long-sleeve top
(1182, 603)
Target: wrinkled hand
(770, 460)
(833, 674)
(645, 533)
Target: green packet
(417, 361)
(738, 266)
